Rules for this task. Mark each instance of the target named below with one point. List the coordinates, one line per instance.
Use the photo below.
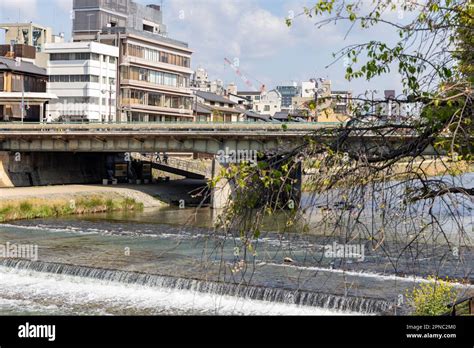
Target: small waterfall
(254, 292)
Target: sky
(250, 32)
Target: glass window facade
(30, 84)
(74, 78)
(154, 77)
(134, 96)
(157, 56)
(73, 56)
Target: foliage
(380, 192)
(432, 298)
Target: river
(170, 261)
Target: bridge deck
(166, 137)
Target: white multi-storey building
(84, 77)
(269, 103)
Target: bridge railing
(192, 166)
(166, 123)
(12, 128)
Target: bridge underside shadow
(42, 169)
(58, 168)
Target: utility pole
(110, 103)
(111, 92)
(18, 64)
(22, 98)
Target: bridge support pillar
(5, 180)
(221, 194)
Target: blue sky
(250, 31)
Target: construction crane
(243, 77)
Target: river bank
(402, 170)
(53, 201)
(21, 203)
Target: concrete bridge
(49, 154)
(159, 137)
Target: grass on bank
(43, 208)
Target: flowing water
(170, 261)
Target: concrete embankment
(42, 202)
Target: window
(2, 81)
(111, 81)
(152, 76)
(148, 28)
(104, 80)
(143, 73)
(104, 59)
(266, 108)
(74, 78)
(154, 99)
(112, 60)
(59, 56)
(157, 56)
(70, 56)
(82, 56)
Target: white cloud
(242, 29)
(235, 28)
(254, 31)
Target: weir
(254, 292)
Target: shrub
(432, 298)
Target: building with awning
(23, 95)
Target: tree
(381, 192)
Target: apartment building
(269, 103)
(84, 77)
(154, 70)
(251, 96)
(287, 94)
